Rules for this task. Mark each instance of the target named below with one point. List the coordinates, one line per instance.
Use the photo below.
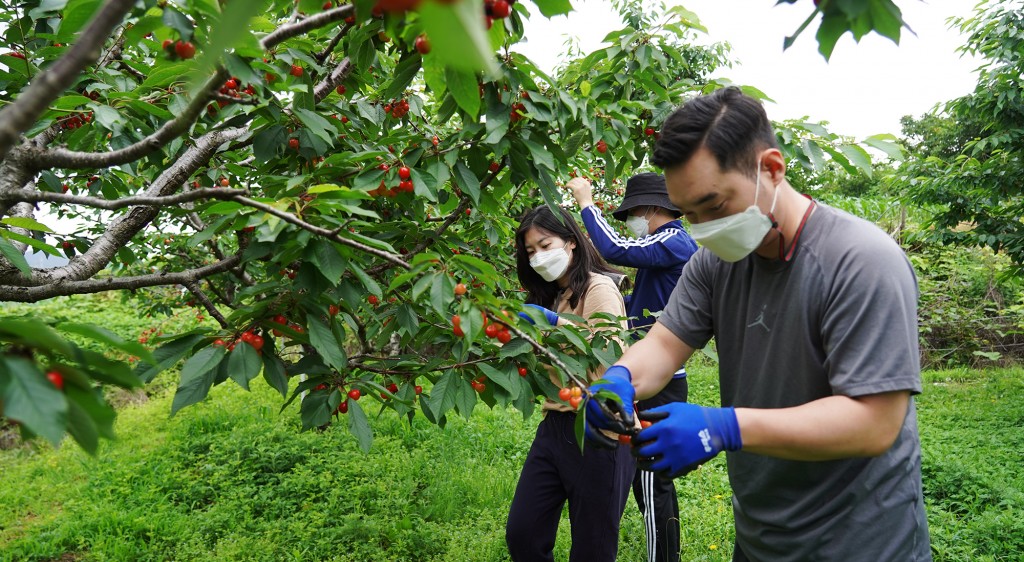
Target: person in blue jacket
(659, 249)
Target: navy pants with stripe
(656, 497)
(595, 483)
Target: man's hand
(550, 315)
(581, 191)
(684, 436)
(607, 413)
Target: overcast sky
(863, 90)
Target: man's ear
(775, 163)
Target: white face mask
(550, 264)
(638, 226)
(734, 237)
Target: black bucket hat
(643, 190)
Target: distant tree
(968, 161)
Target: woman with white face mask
(563, 273)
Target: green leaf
(243, 364)
(858, 156)
(75, 16)
(178, 22)
(887, 144)
(467, 181)
(462, 86)
(833, 26)
(442, 397)
(274, 373)
(465, 398)
(403, 75)
(108, 338)
(514, 347)
(359, 426)
(315, 409)
(230, 30)
(164, 75)
(26, 223)
(166, 356)
(506, 379)
(16, 258)
(197, 377)
(89, 417)
(326, 258)
(457, 36)
(36, 244)
(31, 399)
(316, 124)
(551, 8)
(408, 320)
(322, 339)
(35, 334)
(814, 154)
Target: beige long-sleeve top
(602, 296)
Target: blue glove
(550, 315)
(601, 414)
(684, 436)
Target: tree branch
(395, 260)
(19, 116)
(64, 158)
(290, 30)
(35, 294)
(337, 76)
(195, 289)
(224, 193)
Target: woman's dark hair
(731, 124)
(585, 259)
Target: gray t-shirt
(839, 319)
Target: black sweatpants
(656, 497)
(595, 483)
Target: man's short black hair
(731, 124)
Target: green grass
(233, 479)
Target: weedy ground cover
(234, 479)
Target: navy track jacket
(658, 258)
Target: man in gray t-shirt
(814, 313)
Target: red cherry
(602, 147)
(350, 20)
(56, 379)
(333, 310)
(280, 319)
(185, 50)
(230, 84)
(354, 394)
(522, 371)
(296, 71)
(343, 407)
(469, 212)
(372, 299)
(500, 9)
(392, 388)
(625, 439)
(494, 167)
(575, 402)
(404, 173)
(225, 182)
(648, 131)
(418, 389)
(504, 336)
(492, 330)
(340, 89)
(564, 394)
(435, 140)
(219, 343)
(396, 5)
(422, 44)
(293, 144)
(167, 43)
(327, 6)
